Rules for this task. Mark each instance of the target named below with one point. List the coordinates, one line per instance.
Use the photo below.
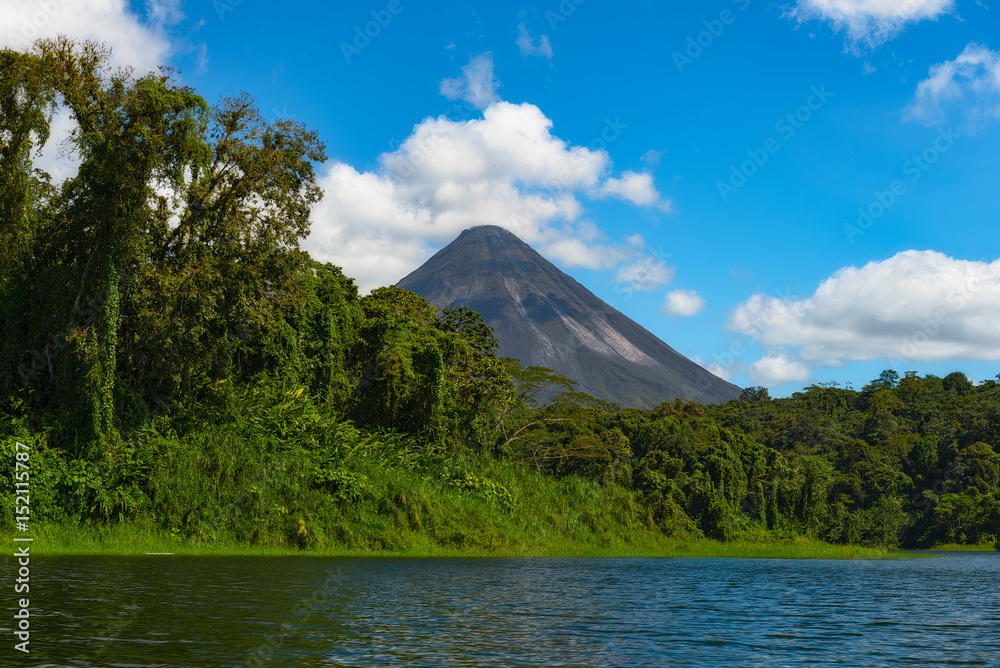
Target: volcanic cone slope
(543, 317)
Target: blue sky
(787, 193)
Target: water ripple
(221, 611)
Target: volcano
(543, 317)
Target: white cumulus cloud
(871, 22)
(967, 87)
(478, 84)
(143, 45)
(634, 187)
(133, 41)
(506, 169)
(916, 305)
(682, 304)
(774, 370)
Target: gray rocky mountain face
(543, 317)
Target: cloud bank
(506, 169)
(134, 42)
(915, 306)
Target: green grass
(958, 547)
(223, 492)
(133, 539)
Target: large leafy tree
(87, 246)
(26, 106)
(169, 259)
(399, 364)
(428, 373)
(132, 134)
(479, 390)
(225, 270)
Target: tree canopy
(179, 356)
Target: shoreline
(952, 547)
(643, 547)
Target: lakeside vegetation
(186, 377)
(958, 547)
(125, 540)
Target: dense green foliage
(173, 360)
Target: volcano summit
(543, 317)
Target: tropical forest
(184, 374)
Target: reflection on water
(303, 611)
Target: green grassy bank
(225, 492)
(232, 490)
(957, 547)
(128, 539)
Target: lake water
(304, 611)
